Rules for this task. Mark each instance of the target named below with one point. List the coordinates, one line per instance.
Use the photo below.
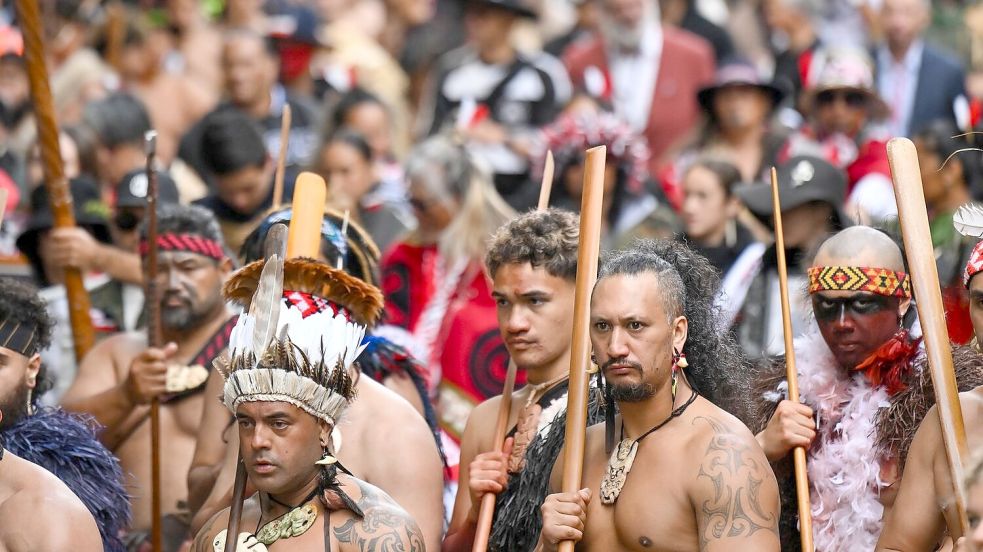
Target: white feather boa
(844, 466)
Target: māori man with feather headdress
(864, 388)
(925, 505)
(378, 428)
(288, 381)
(120, 376)
(63, 444)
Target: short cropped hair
(642, 258)
(547, 239)
(231, 141)
(174, 218)
(118, 119)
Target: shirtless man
(379, 427)
(286, 405)
(533, 264)
(39, 513)
(120, 376)
(699, 481)
(925, 506)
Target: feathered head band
(301, 334)
(881, 281)
(968, 221)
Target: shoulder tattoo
(384, 528)
(736, 476)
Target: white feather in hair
(968, 220)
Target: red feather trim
(891, 363)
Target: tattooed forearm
(385, 527)
(734, 506)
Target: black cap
(802, 179)
(132, 189)
(91, 213)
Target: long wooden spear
(3, 203)
(791, 374)
(154, 336)
(913, 219)
(59, 195)
(281, 158)
(486, 512)
(588, 249)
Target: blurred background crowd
(431, 119)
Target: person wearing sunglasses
(845, 122)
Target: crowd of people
(432, 122)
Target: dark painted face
(855, 324)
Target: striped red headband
(191, 243)
(974, 264)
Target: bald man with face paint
(863, 390)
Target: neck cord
(287, 506)
(675, 414)
(536, 388)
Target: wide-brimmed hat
(91, 213)
(518, 7)
(738, 73)
(848, 69)
(802, 179)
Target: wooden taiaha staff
(3, 203)
(486, 512)
(587, 252)
(281, 158)
(791, 374)
(913, 219)
(59, 194)
(303, 240)
(154, 335)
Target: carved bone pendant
(617, 473)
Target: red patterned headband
(881, 281)
(974, 264)
(191, 243)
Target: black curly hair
(712, 353)
(20, 302)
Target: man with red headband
(120, 376)
(925, 504)
(863, 390)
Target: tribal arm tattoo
(385, 527)
(737, 494)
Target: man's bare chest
(652, 513)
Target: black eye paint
(827, 309)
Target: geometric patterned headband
(191, 243)
(18, 337)
(881, 281)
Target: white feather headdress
(300, 336)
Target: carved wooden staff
(588, 249)
(59, 195)
(486, 512)
(303, 240)
(791, 374)
(281, 158)
(154, 336)
(913, 219)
